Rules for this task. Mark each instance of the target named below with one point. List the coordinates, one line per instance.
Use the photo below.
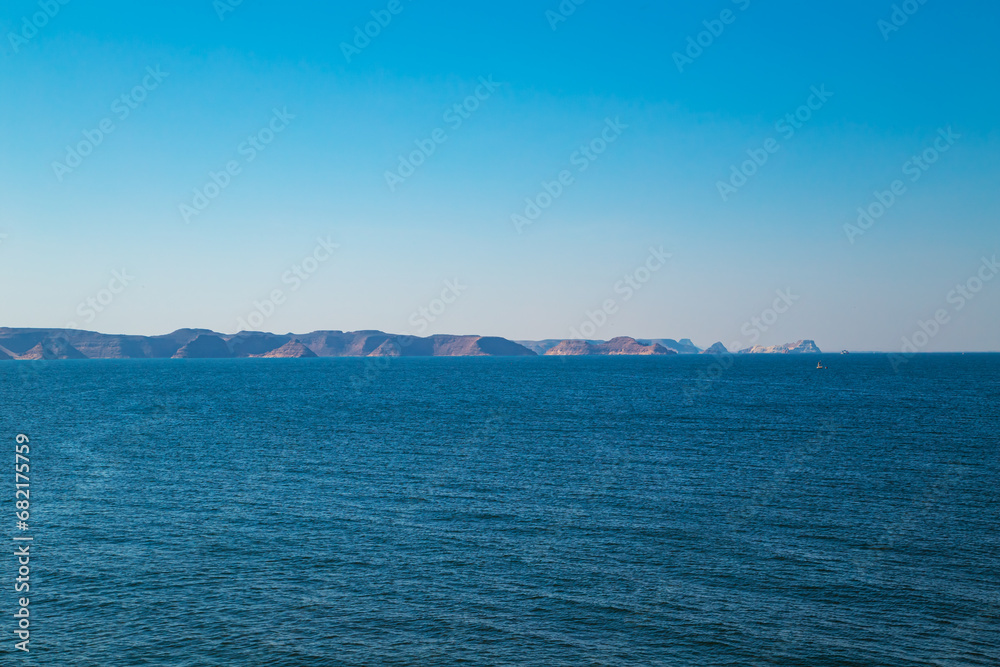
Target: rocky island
(616, 346)
(799, 347)
(51, 344)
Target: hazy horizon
(698, 343)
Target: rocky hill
(205, 344)
(543, 346)
(50, 344)
(622, 345)
(798, 347)
(683, 346)
(293, 349)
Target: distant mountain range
(800, 347)
(685, 346)
(28, 344)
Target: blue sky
(345, 120)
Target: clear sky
(243, 132)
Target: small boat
(820, 366)
(844, 352)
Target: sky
(734, 171)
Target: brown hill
(293, 349)
(798, 347)
(623, 345)
(205, 347)
(52, 348)
(716, 348)
(202, 343)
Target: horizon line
(514, 340)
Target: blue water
(582, 511)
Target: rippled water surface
(583, 511)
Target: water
(584, 511)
